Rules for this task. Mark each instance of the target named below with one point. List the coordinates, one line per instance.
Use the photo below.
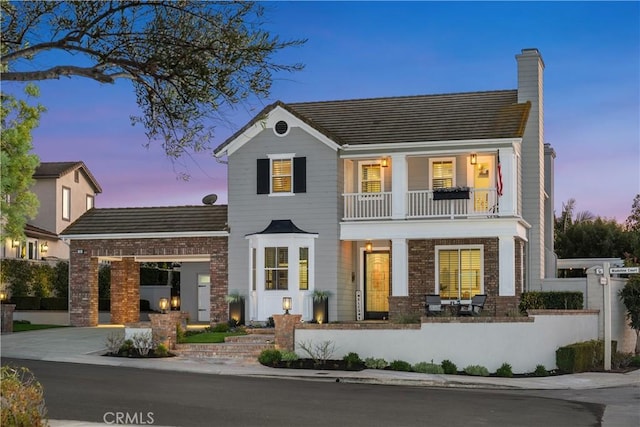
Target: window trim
(93, 202)
(363, 163)
(276, 269)
(439, 248)
(433, 160)
(66, 205)
(271, 176)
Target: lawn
(22, 327)
(208, 337)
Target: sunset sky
(375, 49)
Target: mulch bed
(134, 355)
(329, 365)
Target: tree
(630, 296)
(632, 226)
(633, 220)
(185, 59)
(600, 238)
(17, 164)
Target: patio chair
(476, 306)
(433, 305)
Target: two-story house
(65, 191)
(382, 201)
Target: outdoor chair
(433, 305)
(476, 306)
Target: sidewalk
(86, 345)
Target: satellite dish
(209, 199)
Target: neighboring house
(353, 197)
(65, 191)
(356, 197)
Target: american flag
(499, 178)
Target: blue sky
(372, 49)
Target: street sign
(624, 270)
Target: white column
(399, 186)
(399, 266)
(509, 198)
(506, 262)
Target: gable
(55, 170)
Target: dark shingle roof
(58, 169)
(420, 118)
(40, 233)
(173, 219)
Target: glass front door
(376, 285)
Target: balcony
(481, 202)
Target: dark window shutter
(299, 174)
(263, 176)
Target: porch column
(83, 287)
(399, 263)
(509, 199)
(507, 265)
(218, 271)
(125, 291)
(399, 186)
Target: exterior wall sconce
(474, 159)
(384, 162)
(163, 303)
(286, 304)
(368, 246)
(15, 243)
(175, 302)
(3, 296)
(44, 248)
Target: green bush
(551, 301)
(22, 398)
(60, 282)
(373, 363)
(270, 357)
(541, 371)
(476, 370)
(504, 371)
(400, 365)
(26, 303)
(583, 356)
(428, 368)
(221, 327)
(449, 367)
(289, 356)
(161, 350)
(53, 303)
(635, 361)
(352, 359)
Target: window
(303, 269)
(90, 201)
(276, 269)
(76, 175)
(66, 203)
(371, 179)
(459, 272)
(442, 173)
(282, 174)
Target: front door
(483, 178)
(376, 285)
(204, 298)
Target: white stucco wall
(521, 344)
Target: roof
(419, 118)
(55, 170)
(39, 233)
(279, 226)
(172, 219)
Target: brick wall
(83, 292)
(422, 268)
(285, 325)
(125, 291)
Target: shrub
(449, 367)
(320, 352)
(270, 357)
(114, 342)
(372, 363)
(127, 348)
(289, 356)
(21, 397)
(635, 361)
(400, 365)
(541, 371)
(142, 342)
(26, 303)
(476, 370)
(504, 371)
(428, 368)
(582, 356)
(180, 333)
(221, 327)
(352, 359)
(621, 360)
(60, 280)
(408, 318)
(54, 303)
(161, 350)
(551, 301)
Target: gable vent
(281, 128)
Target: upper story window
(371, 178)
(66, 203)
(90, 201)
(443, 173)
(282, 174)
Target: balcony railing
(420, 204)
